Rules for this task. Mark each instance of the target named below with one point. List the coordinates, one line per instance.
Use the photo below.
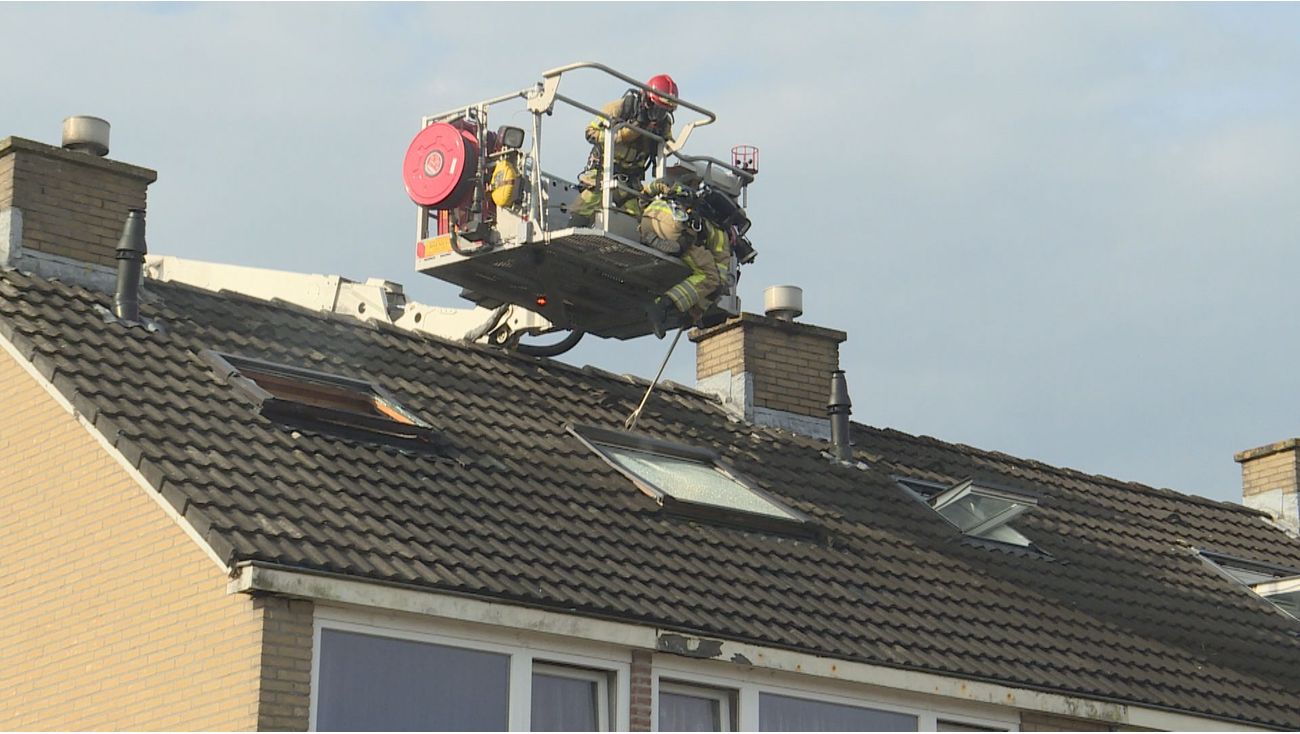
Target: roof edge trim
(253, 577)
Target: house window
(976, 509)
(695, 708)
(372, 683)
(320, 400)
(787, 713)
(692, 481)
(569, 699)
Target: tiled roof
(509, 506)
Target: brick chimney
(1270, 481)
(770, 369)
(62, 210)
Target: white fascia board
(149, 490)
(253, 578)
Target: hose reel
(440, 166)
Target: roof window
(1279, 585)
(977, 509)
(692, 481)
(320, 400)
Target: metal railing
(540, 100)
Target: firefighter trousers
(692, 296)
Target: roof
(507, 505)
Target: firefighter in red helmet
(633, 152)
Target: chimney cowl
(86, 134)
(783, 302)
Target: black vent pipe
(839, 408)
(130, 261)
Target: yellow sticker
(434, 246)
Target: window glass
(972, 510)
(983, 512)
(785, 713)
(680, 712)
(371, 683)
(691, 481)
(567, 701)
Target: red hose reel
(440, 166)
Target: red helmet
(662, 83)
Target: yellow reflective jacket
(632, 150)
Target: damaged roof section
(316, 400)
(512, 507)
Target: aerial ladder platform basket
(494, 221)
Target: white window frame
(591, 675)
(525, 650)
(752, 682)
(727, 699)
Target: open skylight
(320, 400)
(689, 480)
(977, 509)
(1277, 584)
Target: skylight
(320, 400)
(1277, 584)
(978, 510)
(689, 480)
(1283, 592)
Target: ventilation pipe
(130, 260)
(839, 408)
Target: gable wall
(111, 617)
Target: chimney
(771, 370)
(62, 209)
(1270, 481)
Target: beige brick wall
(111, 617)
(791, 363)
(1271, 471)
(73, 204)
(6, 181)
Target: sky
(1067, 232)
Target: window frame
(748, 685)
(799, 524)
(395, 424)
(945, 495)
(524, 653)
(727, 698)
(604, 692)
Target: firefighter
(672, 223)
(633, 152)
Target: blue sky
(1063, 231)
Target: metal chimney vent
(86, 134)
(784, 302)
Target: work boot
(581, 220)
(659, 312)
